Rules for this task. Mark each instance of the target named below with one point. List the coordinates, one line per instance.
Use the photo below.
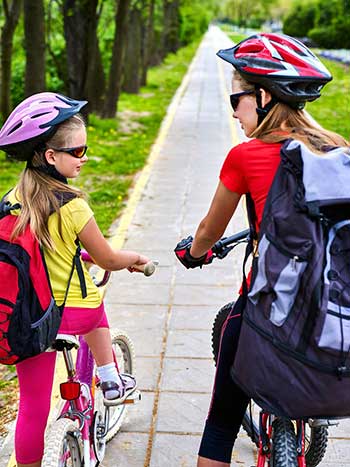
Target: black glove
(182, 251)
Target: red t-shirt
(250, 168)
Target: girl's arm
(215, 222)
(103, 254)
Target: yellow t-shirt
(74, 216)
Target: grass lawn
(332, 110)
(119, 147)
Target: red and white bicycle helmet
(34, 121)
(280, 64)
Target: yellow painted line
(118, 239)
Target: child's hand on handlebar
(182, 252)
(139, 266)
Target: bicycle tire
(284, 445)
(219, 320)
(315, 445)
(125, 354)
(62, 445)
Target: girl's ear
(50, 156)
(265, 97)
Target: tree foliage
(325, 22)
(88, 48)
(248, 13)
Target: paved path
(169, 315)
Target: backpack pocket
(46, 328)
(335, 335)
(275, 288)
(335, 332)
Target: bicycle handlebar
(147, 269)
(223, 246)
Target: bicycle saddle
(65, 341)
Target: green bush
(300, 19)
(334, 36)
(324, 37)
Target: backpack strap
(76, 264)
(6, 207)
(252, 240)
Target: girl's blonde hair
(283, 122)
(39, 193)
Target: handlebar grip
(232, 239)
(147, 269)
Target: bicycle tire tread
(284, 444)
(54, 442)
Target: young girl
(274, 76)
(47, 131)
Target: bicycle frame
(80, 408)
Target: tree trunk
(171, 42)
(34, 43)
(115, 72)
(80, 25)
(95, 80)
(12, 12)
(147, 42)
(132, 61)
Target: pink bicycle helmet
(34, 121)
(280, 64)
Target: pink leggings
(35, 376)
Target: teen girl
(47, 131)
(274, 76)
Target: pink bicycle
(84, 425)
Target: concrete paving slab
(208, 295)
(126, 449)
(139, 416)
(187, 375)
(172, 450)
(189, 343)
(144, 295)
(182, 412)
(187, 317)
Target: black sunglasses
(78, 151)
(234, 98)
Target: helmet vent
(40, 114)
(15, 128)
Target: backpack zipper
(295, 258)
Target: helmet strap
(49, 170)
(260, 110)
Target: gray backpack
(293, 355)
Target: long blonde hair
(283, 122)
(39, 193)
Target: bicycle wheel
(284, 446)
(316, 439)
(62, 445)
(125, 356)
(219, 320)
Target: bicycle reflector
(70, 390)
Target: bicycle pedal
(134, 398)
